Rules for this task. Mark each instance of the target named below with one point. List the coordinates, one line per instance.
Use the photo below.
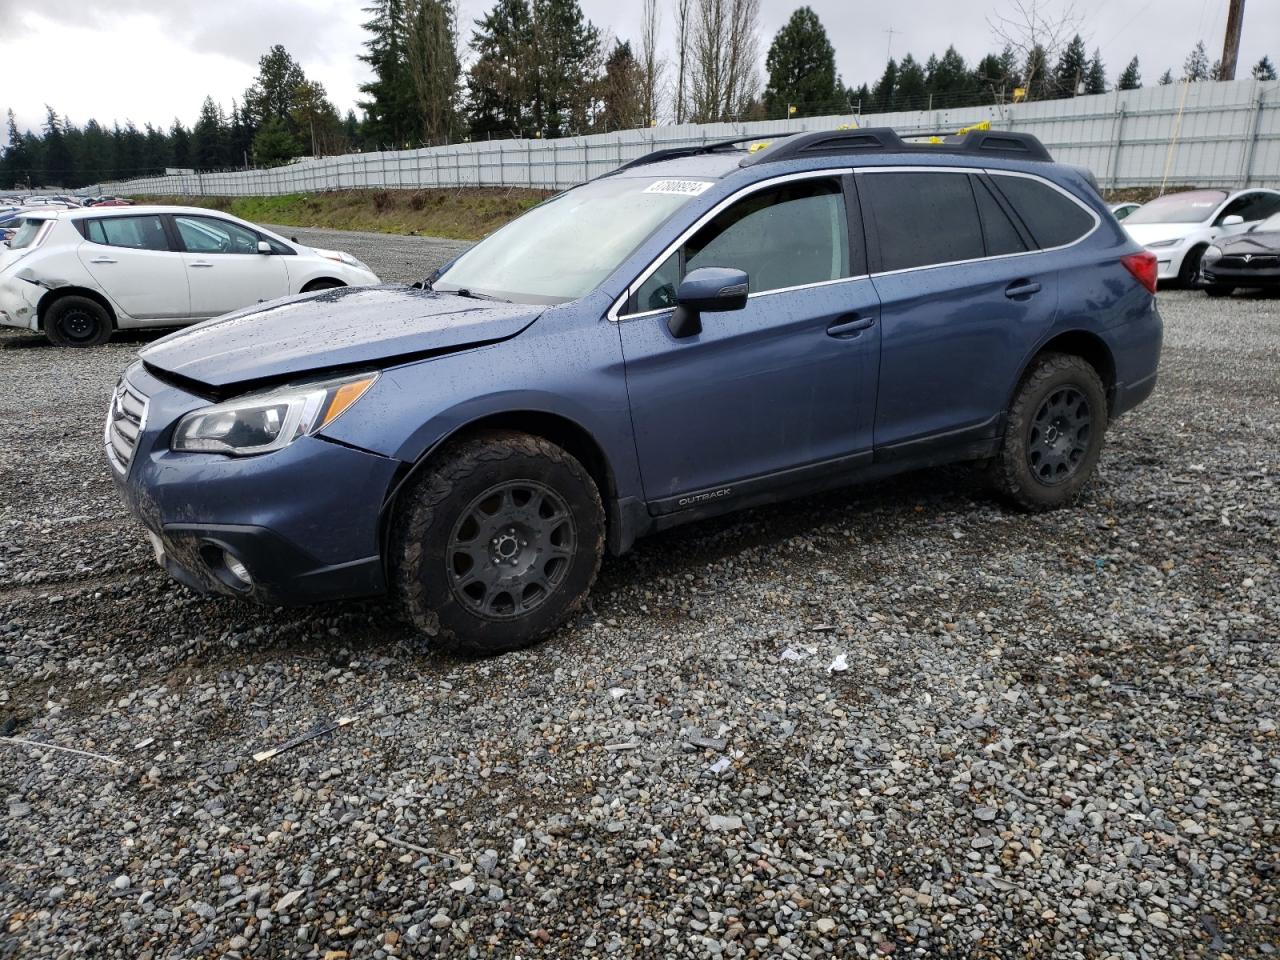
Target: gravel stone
(1101, 680)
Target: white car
(1122, 210)
(77, 275)
(1179, 227)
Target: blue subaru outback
(701, 330)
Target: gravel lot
(1052, 736)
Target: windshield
(28, 230)
(563, 249)
(1193, 206)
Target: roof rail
(672, 153)
(825, 143)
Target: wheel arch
(322, 283)
(58, 293)
(1084, 344)
(556, 428)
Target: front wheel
(1053, 436)
(1190, 268)
(77, 322)
(497, 542)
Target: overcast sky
(153, 60)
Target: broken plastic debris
(319, 730)
(720, 766)
(839, 665)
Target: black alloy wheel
(1059, 436)
(510, 549)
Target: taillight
(1143, 267)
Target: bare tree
(683, 8)
(1036, 31)
(724, 48)
(652, 65)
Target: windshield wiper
(474, 295)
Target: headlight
(268, 420)
(343, 257)
(1212, 252)
(1165, 243)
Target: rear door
(963, 299)
(224, 268)
(132, 260)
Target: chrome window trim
(615, 315)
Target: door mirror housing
(264, 247)
(1233, 220)
(710, 289)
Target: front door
(786, 383)
(131, 260)
(224, 267)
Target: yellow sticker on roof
(683, 188)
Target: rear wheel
(1054, 433)
(497, 543)
(77, 322)
(1218, 290)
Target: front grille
(1255, 261)
(125, 420)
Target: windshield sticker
(683, 188)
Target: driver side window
(210, 235)
(785, 236)
(1250, 207)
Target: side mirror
(710, 289)
(264, 247)
(1232, 220)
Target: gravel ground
(904, 720)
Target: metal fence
(1208, 134)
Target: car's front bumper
(304, 521)
(1240, 276)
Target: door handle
(1021, 288)
(103, 260)
(201, 263)
(849, 326)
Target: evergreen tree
(18, 160)
(1166, 78)
(1264, 70)
(57, 155)
(391, 115)
(274, 144)
(180, 145)
(1196, 67)
(433, 64)
(1095, 78)
(912, 93)
(272, 95)
(622, 94)
(500, 82)
(1071, 68)
(951, 81)
(207, 137)
(1130, 78)
(1039, 82)
(566, 50)
(802, 69)
(884, 95)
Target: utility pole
(888, 50)
(1231, 42)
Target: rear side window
(136, 233)
(1053, 219)
(1001, 235)
(28, 231)
(923, 218)
(786, 236)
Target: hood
(1258, 242)
(1146, 233)
(343, 327)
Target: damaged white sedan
(78, 275)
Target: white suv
(77, 275)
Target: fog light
(238, 570)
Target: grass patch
(458, 214)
